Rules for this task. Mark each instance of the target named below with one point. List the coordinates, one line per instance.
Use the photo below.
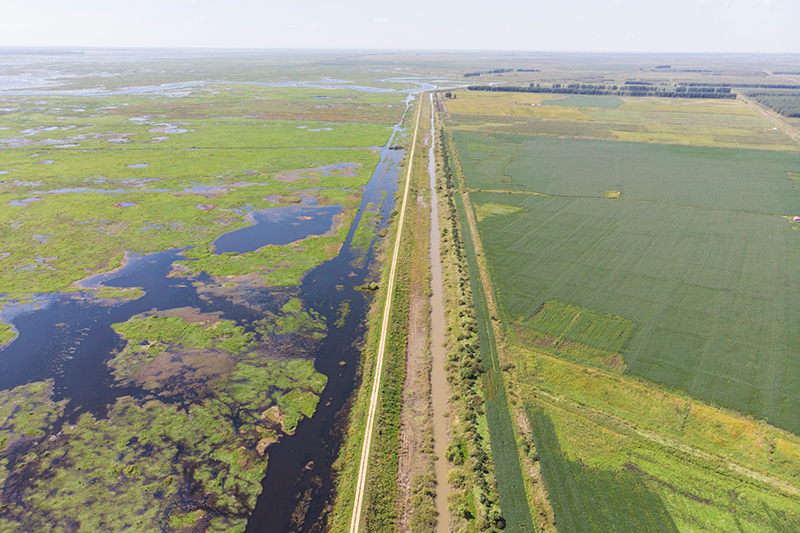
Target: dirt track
(376, 384)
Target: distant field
(745, 180)
(722, 123)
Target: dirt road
(376, 384)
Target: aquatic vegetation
(153, 457)
(275, 265)
(26, 412)
(7, 333)
(151, 336)
(141, 174)
(344, 310)
(120, 292)
(293, 319)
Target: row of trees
(632, 90)
(474, 502)
(481, 73)
(787, 103)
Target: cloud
(381, 21)
(617, 2)
(769, 4)
(699, 2)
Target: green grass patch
(513, 501)
(590, 499)
(605, 102)
(712, 291)
(7, 334)
(149, 337)
(745, 180)
(565, 321)
(295, 320)
(120, 292)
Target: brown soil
(190, 314)
(416, 395)
(191, 371)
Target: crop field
(588, 499)
(707, 469)
(713, 311)
(645, 284)
(720, 123)
(741, 180)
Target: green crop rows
(695, 254)
(713, 292)
(589, 499)
(744, 180)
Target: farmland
(722, 123)
(695, 288)
(641, 260)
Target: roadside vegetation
(381, 505)
(475, 503)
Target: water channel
(439, 387)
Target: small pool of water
(138, 165)
(26, 201)
(278, 226)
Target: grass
(679, 280)
(513, 501)
(744, 180)
(7, 334)
(474, 502)
(152, 173)
(590, 499)
(693, 456)
(728, 123)
(714, 317)
(147, 338)
(295, 320)
(153, 456)
(154, 220)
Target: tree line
(614, 90)
(787, 103)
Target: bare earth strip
(376, 384)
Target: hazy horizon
(607, 26)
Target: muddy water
(439, 387)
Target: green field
(714, 309)
(741, 180)
(590, 499)
(646, 295)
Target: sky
(766, 26)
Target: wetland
(181, 319)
